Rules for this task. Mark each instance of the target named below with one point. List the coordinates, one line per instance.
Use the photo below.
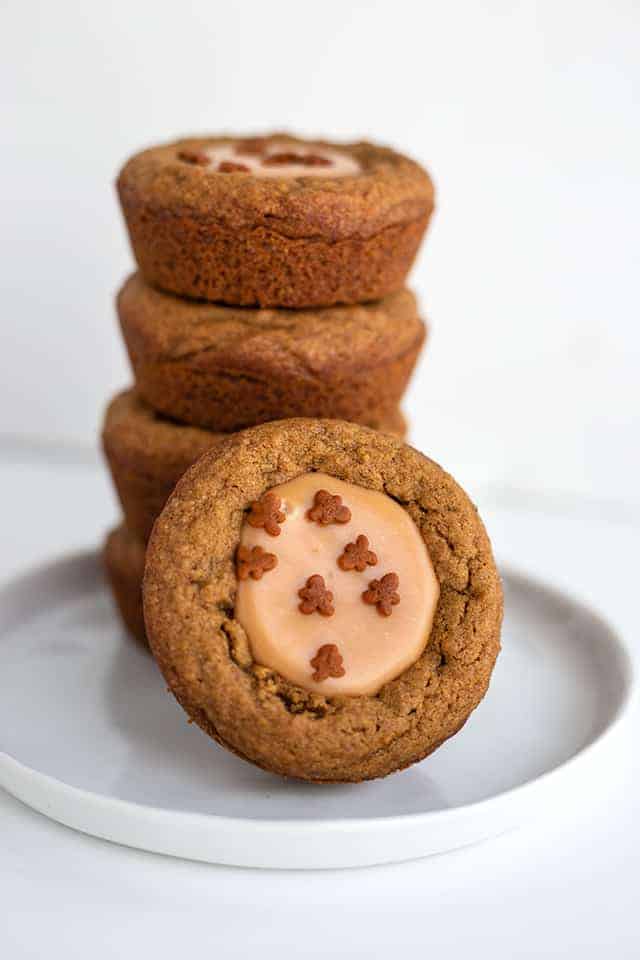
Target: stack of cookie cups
(270, 285)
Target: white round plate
(91, 738)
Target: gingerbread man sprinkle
(253, 147)
(316, 160)
(328, 509)
(198, 157)
(266, 512)
(254, 562)
(228, 166)
(327, 663)
(314, 597)
(383, 593)
(357, 556)
(304, 159)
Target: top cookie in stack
(275, 221)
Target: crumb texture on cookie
(191, 588)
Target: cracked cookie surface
(190, 593)
(227, 368)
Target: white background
(527, 116)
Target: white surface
(526, 114)
(543, 734)
(563, 886)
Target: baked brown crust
(123, 559)
(204, 654)
(147, 454)
(226, 368)
(308, 241)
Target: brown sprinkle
(254, 562)
(281, 159)
(227, 166)
(252, 147)
(314, 596)
(198, 157)
(327, 663)
(316, 160)
(383, 593)
(328, 509)
(357, 556)
(302, 159)
(266, 513)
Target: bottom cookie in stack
(123, 558)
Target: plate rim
(27, 776)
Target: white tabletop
(556, 888)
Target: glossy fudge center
(277, 160)
(336, 589)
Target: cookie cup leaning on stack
(322, 600)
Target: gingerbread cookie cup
(270, 604)
(226, 368)
(275, 221)
(123, 559)
(147, 454)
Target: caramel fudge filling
(336, 589)
(273, 159)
